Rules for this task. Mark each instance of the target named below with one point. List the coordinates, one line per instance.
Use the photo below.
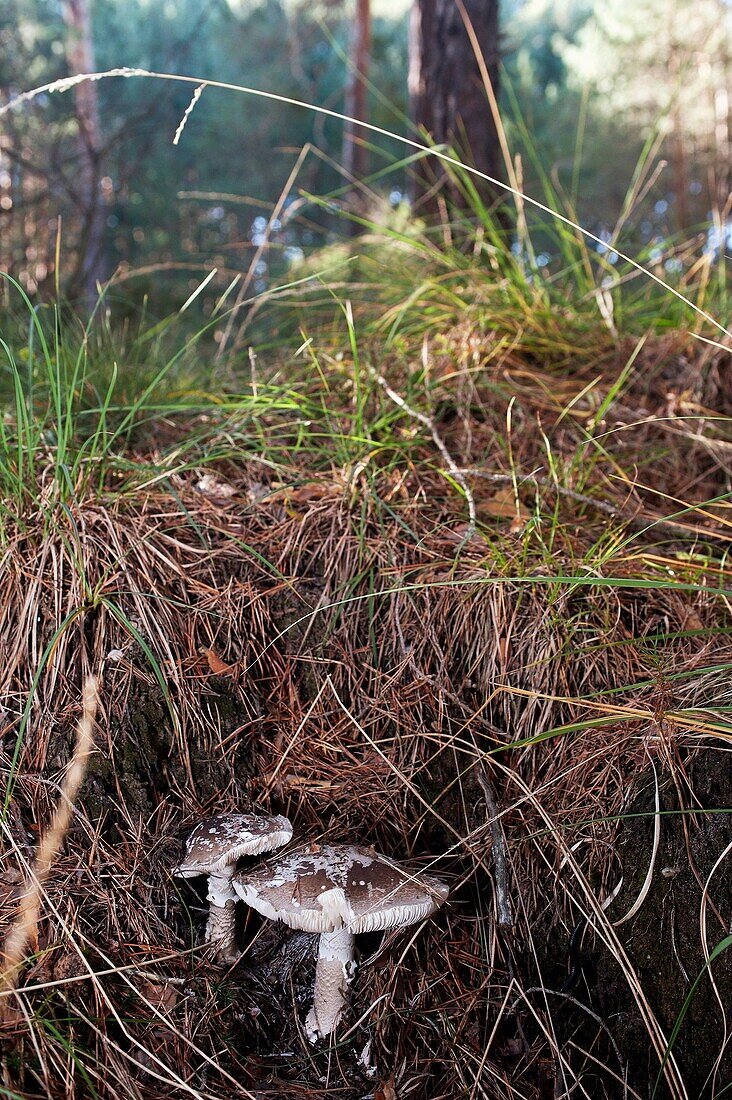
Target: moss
(146, 763)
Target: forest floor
(444, 579)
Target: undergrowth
(442, 568)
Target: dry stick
(25, 928)
(503, 899)
(617, 511)
(452, 466)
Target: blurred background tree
(355, 148)
(676, 78)
(80, 54)
(176, 209)
(453, 82)
(594, 89)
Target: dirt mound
(331, 647)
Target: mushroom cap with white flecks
(219, 841)
(320, 888)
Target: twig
(25, 928)
(617, 511)
(503, 899)
(452, 466)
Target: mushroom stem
(221, 924)
(333, 974)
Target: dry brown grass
(333, 649)
(24, 931)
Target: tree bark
(448, 97)
(355, 158)
(90, 267)
(355, 153)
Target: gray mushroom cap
(320, 888)
(219, 841)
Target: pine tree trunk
(90, 267)
(447, 95)
(354, 151)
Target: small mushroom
(338, 890)
(212, 849)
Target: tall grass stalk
(67, 83)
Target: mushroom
(338, 890)
(212, 848)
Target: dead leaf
(215, 489)
(217, 666)
(456, 536)
(692, 621)
(10, 1016)
(162, 995)
(386, 1090)
(324, 786)
(314, 490)
(300, 494)
(503, 505)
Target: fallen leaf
(503, 505)
(10, 1016)
(325, 786)
(215, 489)
(162, 995)
(692, 621)
(456, 536)
(217, 666)
(314, 490)
(386, 1090)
